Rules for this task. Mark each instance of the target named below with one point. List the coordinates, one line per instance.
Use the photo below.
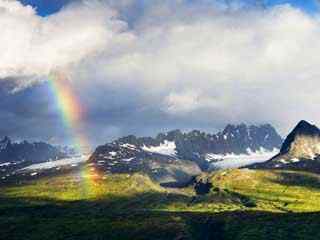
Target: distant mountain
(16, 152)
(4, 143)
(17, 159)
(300, 150)
(187, 152)
(235, 139)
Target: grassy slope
(242, 204)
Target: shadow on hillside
(300, 179)
(145, 201)
(135, 218)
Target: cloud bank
(144, 66)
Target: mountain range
(175, 157)
(25, 151)
(18, 155)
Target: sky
(47, 7)
(142, 67)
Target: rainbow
(70, 108)
(72, 113)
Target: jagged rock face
(27, 152)
(300, 150)
(305, 147)
(253, 137)
(233, 139)
(181, 155)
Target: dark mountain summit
(233, 139)
(303, 130)
(300, 150)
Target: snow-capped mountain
(300, 150)
(235, 146)
(28, 152)
(15, 156)
(159, 162)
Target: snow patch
(283, 161)
(113, 154)
(129, 146)
(127, 159)
(294, 160)
(54, 164)
(5, 164)
(232, 160)
(165, 148)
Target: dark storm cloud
(28, 114)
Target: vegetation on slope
(242, 204)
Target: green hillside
(242, 204)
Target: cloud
(33, 46)
(145, 66)
(224, 66)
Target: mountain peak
(304, 122)
(306, 128)
(300, 150)
(299, 134)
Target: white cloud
(185, 103)
(32, 46)
(259, 65)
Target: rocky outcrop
(300, 150)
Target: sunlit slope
(74, 187)
(232, 190)
(241, 204)
(273, 190)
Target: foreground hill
(300, 150)
(240, 204)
